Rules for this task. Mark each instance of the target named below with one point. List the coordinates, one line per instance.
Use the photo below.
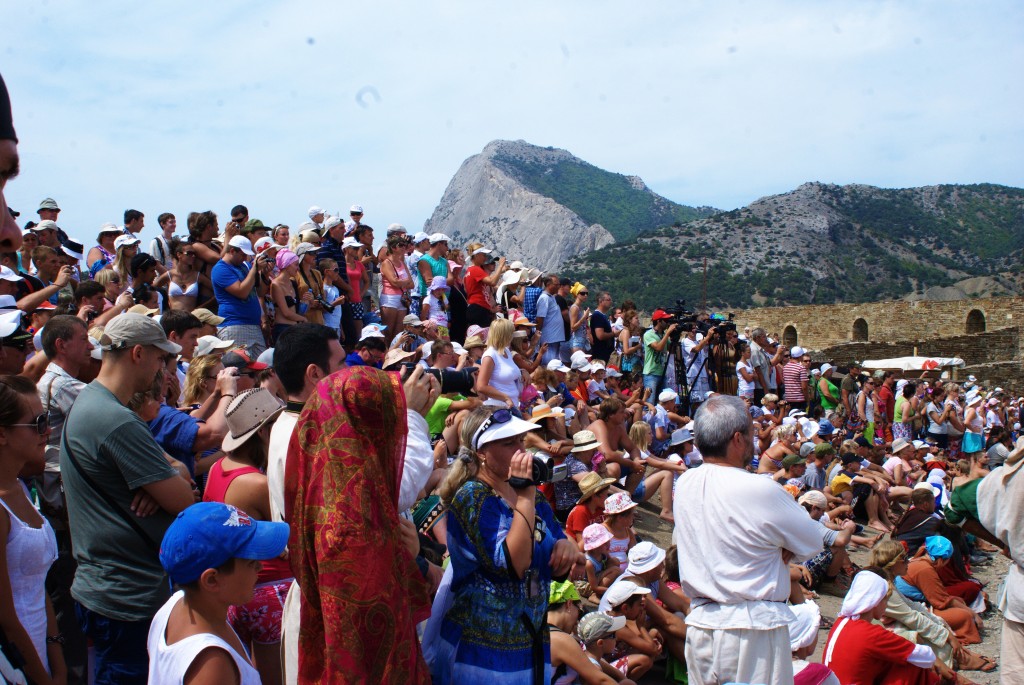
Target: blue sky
(189, 106)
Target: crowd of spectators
(266, 454)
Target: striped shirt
(794, 375)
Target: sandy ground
(651, 527)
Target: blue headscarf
(938, 547)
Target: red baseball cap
(240, 359)
(660, 314)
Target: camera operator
(722, 363)
(655, 342)
(695, 358)
(764, 355)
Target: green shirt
(438, 413)
(963, 503)
(119, 573)
(654, 361)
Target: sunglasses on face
(41, 423)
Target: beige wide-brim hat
(247, 413)
(592, 484)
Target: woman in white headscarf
(859, 651)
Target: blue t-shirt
(354, 359)
(547, 308)
(176, 432)
(236, 312)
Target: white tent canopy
(913, 363)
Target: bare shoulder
(212, 666)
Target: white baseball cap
(10, 321)
(439, 238)
(624, 589)
(242, 243)
(420, 237)
(668, 395)
(125, 239)
(355, 209)
(9, 275)
(797, 351)
(314, 210)
(557, 365)
(208, 344)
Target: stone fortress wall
(985, 333)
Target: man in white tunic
(1001, 510)
(736, 533)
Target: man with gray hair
(735, 568)
(764, 355)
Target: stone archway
(975, 321)
(860, 330)
(789, 336)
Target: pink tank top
(401, 273)
(217, 483)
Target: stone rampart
(820, 326)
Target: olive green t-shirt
(654, 361)
(119, 573)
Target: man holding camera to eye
(695, 361)
(236, 285)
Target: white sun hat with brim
(643, 557)
(491, 430)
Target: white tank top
(30, 553)
(504, 378)
(168, 663)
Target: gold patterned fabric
(362, 593)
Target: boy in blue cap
(212, 552)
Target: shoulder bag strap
(114, 506)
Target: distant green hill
(821, 244)
(622, 204)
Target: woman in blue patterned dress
(505, 547)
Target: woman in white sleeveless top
(27, 544)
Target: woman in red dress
(858, 651)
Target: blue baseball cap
(825, 428)
(207, 534)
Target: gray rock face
(483, 203)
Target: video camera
(690, 320)
(545, 470)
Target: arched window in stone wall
(975, 321)
(860, 330)
(789, 336)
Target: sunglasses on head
(499, 416)
(41, 423)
